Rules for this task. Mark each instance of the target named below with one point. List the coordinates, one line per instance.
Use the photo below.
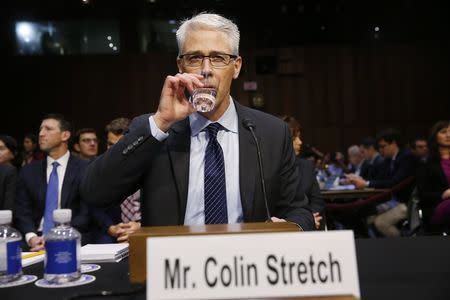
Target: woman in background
(433, 180)
(308, 184)
(31, 150)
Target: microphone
(248, 124)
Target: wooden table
(349, 195)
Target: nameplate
(236, 266)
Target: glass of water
(204, 99)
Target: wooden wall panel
(339, 93)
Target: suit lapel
(67, 182)
(42, 186)
(248, 168)
(179, 145)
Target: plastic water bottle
(10, 251)
(62, 250)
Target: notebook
(104, 252)
(30, 258)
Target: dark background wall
(341, 86)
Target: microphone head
(248, 123)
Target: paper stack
(104, 252)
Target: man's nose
(206, 67)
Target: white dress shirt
(228, 138)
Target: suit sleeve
(117, 173)
(316, 201)
(10, 189)
(23, 209)
(292, 204)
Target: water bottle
(10, 251)
(62, 250)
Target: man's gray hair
(354, 150)
(212, 22)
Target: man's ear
(237, 67)
(180, 65)
(76, 147)
(65, 136)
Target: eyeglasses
(218, 60)
(88, 140)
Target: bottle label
(14, 257)
(10, 257)
(61, 257)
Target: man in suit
(86, 143)
(174, 155)
(398, 165)
(373, 161)
(49, 184)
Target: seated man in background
(419, 148)
(50, 184)
(86, 143)
(116, 223)
(398, 165)
(356, 159)
(374, 161)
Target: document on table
(29, 258)
(104, 252)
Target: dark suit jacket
(308, 185)
(404, 166)
(372, 170)
(8, 178)
(161, 171)
(431, 183)
(32, 189)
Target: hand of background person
(128, 228)
(173, 103)
(358, 181)
(446, 194)
(317, 219)
(36, 243)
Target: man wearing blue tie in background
(44, 186)
(201, 167)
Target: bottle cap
(5, 217)
(62, 215)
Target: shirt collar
(229, 120)
(63, 160)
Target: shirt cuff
(155, 131)
(28, 237)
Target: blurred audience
(433, 180)
(399, 164)
(8, 150)
(419, 148)
(31, 150)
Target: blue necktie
(51, 199)
(215, 188)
